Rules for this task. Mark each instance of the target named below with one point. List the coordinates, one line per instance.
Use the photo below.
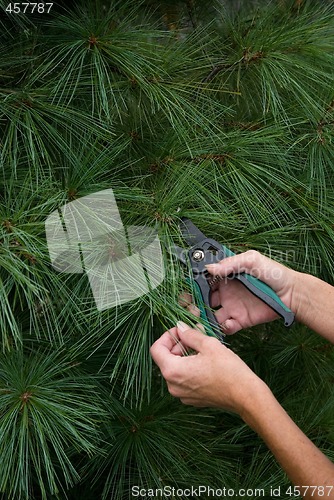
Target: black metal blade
(191, 234)
(179, 252)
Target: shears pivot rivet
(198, 255)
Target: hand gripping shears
(204, 251)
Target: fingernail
(182, 326)
(223, 326)
(200, 327)
(194, 310)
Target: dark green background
(222, 109)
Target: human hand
(215, 376)
(240, 308)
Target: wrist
(305, 287)
(299, 297)
(256, 404)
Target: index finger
(161, 349)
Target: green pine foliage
(220, 111)
(46, 419)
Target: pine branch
(44, 412)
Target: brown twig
(247, 57)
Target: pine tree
(219, 111)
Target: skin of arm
(315, 300)
(310, 298)
(208, 378)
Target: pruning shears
(204, 251)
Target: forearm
(313, 304)
(302, 461)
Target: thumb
(190, 337)
(248, 262)
(251, 262)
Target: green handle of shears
(197, 296)
(264, 292)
